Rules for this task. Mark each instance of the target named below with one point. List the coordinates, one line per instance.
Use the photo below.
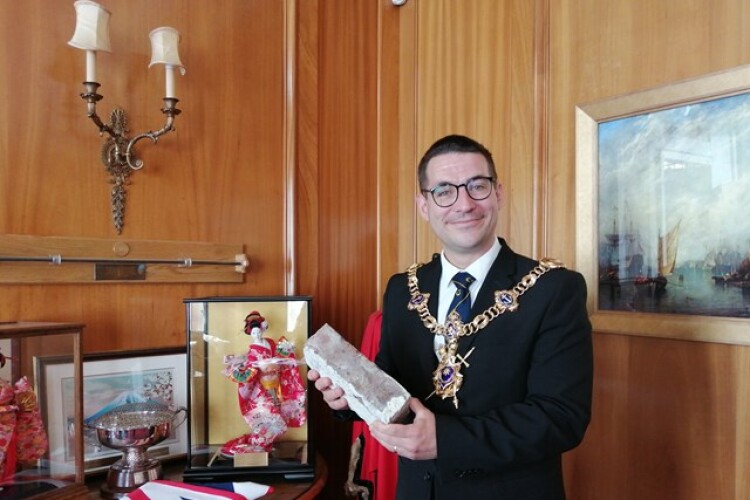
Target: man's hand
(333, 396)
(416, 440)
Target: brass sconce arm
(122, 147)
(92, 97)
(170, 110)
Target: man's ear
(421, 201)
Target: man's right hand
(332, 395)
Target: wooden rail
(45, 259)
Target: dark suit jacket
(525, 398)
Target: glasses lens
(479, 188)
(445, 195)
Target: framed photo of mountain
(663, 233)
(111, 380)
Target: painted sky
(688, 165)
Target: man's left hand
(416, 441)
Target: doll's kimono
(270, 392)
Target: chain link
(420, 300)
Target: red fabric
(30, 433)
(270, 399)
(379, 466)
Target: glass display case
(247, 391)
(41, 452)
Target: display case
(247, 390)
(41, 451)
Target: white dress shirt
(478, 269)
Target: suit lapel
(501, 276)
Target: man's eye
(442, 191)
(479, 186)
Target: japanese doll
(269, 389)
(23, 439)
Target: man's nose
(464, 200)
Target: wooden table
(306, 490)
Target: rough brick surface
(370, 392)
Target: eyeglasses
(446, 194)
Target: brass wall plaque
(120, 272)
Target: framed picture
(6, 359)
(663, 232)
(110, 380)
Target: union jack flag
(172, 490)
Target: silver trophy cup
(133, 428)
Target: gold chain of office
(447, 377)
(505, 301)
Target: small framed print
(110, 380)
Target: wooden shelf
(48, 259)
(282, 490)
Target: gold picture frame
(602, 258)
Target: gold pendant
(447, 378)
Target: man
(501, 393)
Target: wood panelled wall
(275, 150)
(219, 178)
(337, 189)
(301, 127)
(671, 418)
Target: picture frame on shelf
(109, 380)
(6, 360)
(662, 233)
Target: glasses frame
(458, 188)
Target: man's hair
(453, 144)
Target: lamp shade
(164, 45)
(92, 27)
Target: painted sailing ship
(666, 256)
(738, 275)
(622, 257)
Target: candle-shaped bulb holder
(118, 154)
(91, 33)
(165, 43)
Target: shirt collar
(478, 269)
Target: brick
(370, 392)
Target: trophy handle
(182, 410)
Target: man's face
(466, 228)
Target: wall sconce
(118, 154)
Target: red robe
(378, 466)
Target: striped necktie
(461, 302)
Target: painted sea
(689, 290)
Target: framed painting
(110, 380)
(663, 233)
